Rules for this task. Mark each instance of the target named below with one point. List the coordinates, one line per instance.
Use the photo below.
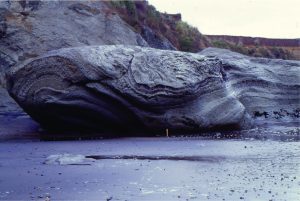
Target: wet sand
(185, 168)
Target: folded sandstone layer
(117, 90)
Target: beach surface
(181, 168)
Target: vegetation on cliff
(140, 14)
(256, 50)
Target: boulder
(120, 90)
(269, 89)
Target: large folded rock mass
(122, 90)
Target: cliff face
(31, 28)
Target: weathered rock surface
(269, 89)
(126, 88)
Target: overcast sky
(265, 18)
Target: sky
(256, 18)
